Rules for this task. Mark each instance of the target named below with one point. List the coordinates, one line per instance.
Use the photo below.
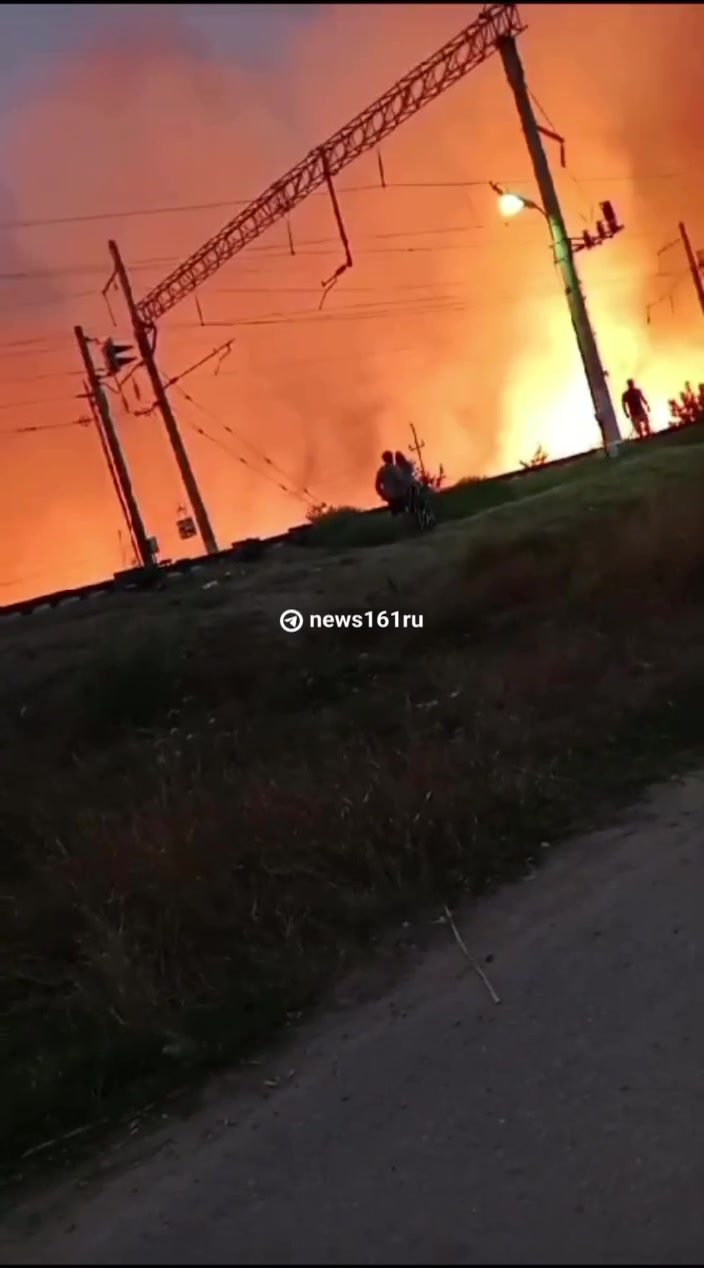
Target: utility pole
(563, 250)
(119, 492)
(417, 448)
(693, 265)
(119, 466)
(146, 353)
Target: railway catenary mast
(494, 30)
(430, 79)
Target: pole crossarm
(461, 55)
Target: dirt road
(565, 1125)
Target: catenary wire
(129, 213)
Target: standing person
(408, 471)
(405, 466)
(391, 484)
(636, 409)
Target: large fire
(450, 318)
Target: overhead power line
(170, 209)
(33, 404)
(388, 311)
(23, 431)
(505, 241)
(34, 378)
(222, 352)
(243, 462)
(303, 492)
(412, 305)
(51, 344)
(436, 302)
(407, 296)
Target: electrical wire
(174, 381)
(276, 253)
(33, 404)
(434, 303)
(222, 351)
(668, 297)
(303, 492)
(578, 184)
(35, 378)
(200, 431)
(438, 305)
(222, 204)
(404, 311)
(22, 431)
(76, 270)
(12, 349)
(420, 305)
(52, 342)
(395, 242)
(23, 343)
(374, 354)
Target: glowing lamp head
(510, 205)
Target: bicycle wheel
(424, 515)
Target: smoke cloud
(448, 318)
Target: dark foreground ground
(433, 1126)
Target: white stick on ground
(477, 967)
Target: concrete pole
(564, 255)
(109, 436)
(693, 265)
(164, 405)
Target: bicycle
(419, 508)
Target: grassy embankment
(203, 819)
(347, 527)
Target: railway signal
(116, 356)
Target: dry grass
(203, 819)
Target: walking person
(637, 410)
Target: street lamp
(563, 246)
(512, 204)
